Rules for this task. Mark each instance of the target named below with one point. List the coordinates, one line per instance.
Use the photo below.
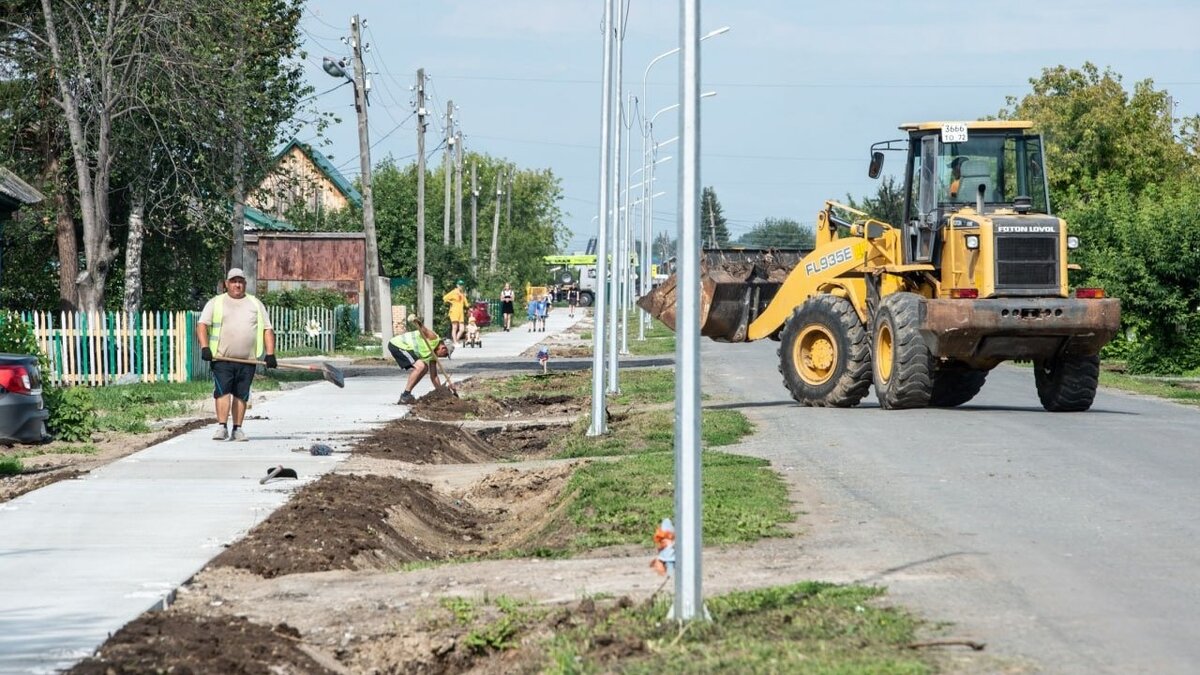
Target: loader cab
(984, 167)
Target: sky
(802, 88)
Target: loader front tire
(1067, 383)
(825, 354)
(902, 364)
(954, 384)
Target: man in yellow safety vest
(419, 351)
(234, 325)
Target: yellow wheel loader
(976, 274)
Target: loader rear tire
(902, 364)
(1067, 383)
(825, 354)
(954, 384)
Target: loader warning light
(964, 293)
(1089, 293)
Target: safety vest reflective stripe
(214, 330)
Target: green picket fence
(99, 348)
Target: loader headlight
(1072, 242)
(972, 242)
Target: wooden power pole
(420, 188)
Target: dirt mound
(530, 406)
(172, 642)
(350, 522)
(379, 522)
(529, 441)
(422, 442)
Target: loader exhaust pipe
(979, 198)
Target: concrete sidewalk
(81, 558)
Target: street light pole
(647, 222)
(370, 297)
(599, 422)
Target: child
(531, 313)
(542, 310)
(472, 337)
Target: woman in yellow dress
(457, 299)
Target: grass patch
(809, 627)
(1183, 391)
(621, 502)
(11, 465)
(654, 431)
(659, 338)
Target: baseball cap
(460, 283)
(235, 272)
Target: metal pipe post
(599, 424)
(688, 497)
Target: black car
(22, 412)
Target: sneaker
(237, 435)
(220, 434)
(407, 399)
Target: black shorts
(232, 378)
(404, 358)
(506, 307)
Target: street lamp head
(716, 32)
(334, 68)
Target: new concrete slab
(81, 558)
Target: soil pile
(350, 522)
(530, 406)
(181, 643)
(422, 442)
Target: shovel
(445, 375)
(329, 371)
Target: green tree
(712, 220)
(663, 248)
(1094, 128)
(1126, 184)
(887, 204)
(536, 229)
(779, 233)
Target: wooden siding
(296, 180)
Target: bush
(72, 413)
(296, 298)
(16, 337)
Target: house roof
(14, 191)
(326, 167)
(261, 222)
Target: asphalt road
(1070, 543)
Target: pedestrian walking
(418, 350)
(572, 301)
(457, 299)
(506, 305)
(234, 324)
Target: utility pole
(370, 300)
(508, 197)
(420, 187)
(446, 164)
(458, 159)
(474, 222)
(496, 222)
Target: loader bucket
(735, 285)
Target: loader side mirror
(876, 164)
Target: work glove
(269, 359)
(206, 354)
